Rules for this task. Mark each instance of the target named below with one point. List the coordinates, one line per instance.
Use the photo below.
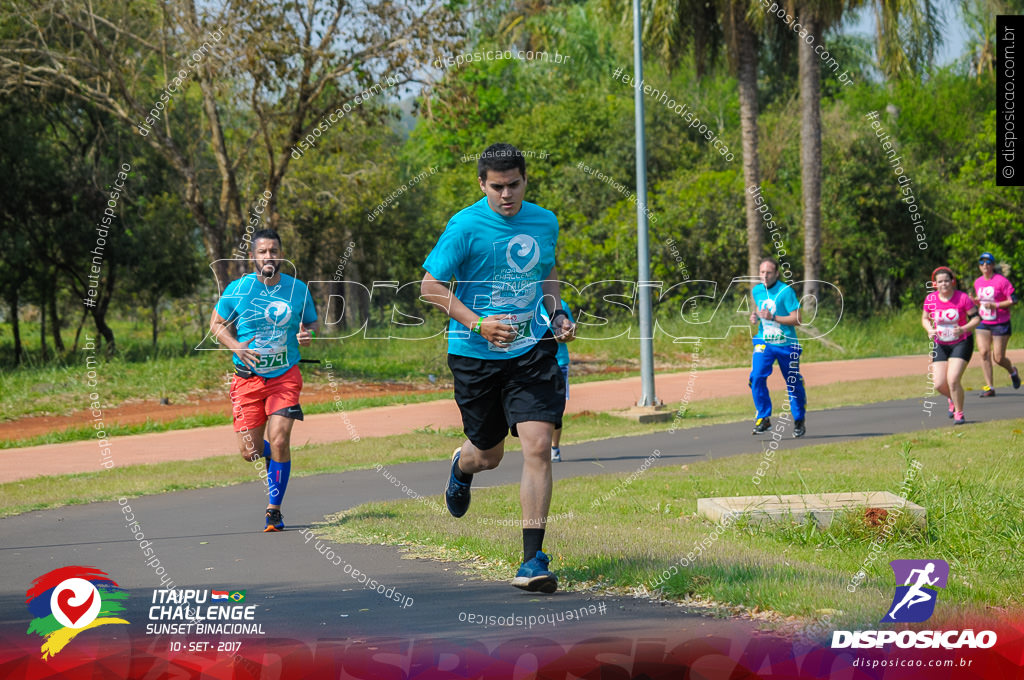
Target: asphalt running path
(609, 395)
(211, 538)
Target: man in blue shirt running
(777, 310)
(263, 318)
(501, 346)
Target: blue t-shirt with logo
(780, 300)
(498, 263)
(270, 317)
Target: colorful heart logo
(74, 612)
(75, 603)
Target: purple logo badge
(917, 582)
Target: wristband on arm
(477, 325)
(555, 315)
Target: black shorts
(961, 350)
(496, 394)
(996, 328)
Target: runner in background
(563, 364)
(948, 317)
(777, 311)
(994, 295)
(263, 318)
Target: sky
(955, 33)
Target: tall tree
(230, 92)
(672, 27)
(907, 34)
(743, 52)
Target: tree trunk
(155, 314)
(78, 331)
(58, 341)
(810, 161)
(99, 318)
(357, 305)
(15, 326)
(99, 312)
(42, 330)
(747, 75)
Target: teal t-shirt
(563, 347)
(780, 300)
(270, 317)
(498, 263)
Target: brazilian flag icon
(237, 596)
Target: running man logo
(914, 601)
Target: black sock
(533, 540)
(462, 476)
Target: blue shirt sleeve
(789, 300)
(444, 260)
(308, 308)
(226, 305)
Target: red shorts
(255, 399)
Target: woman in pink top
(994, 295)
(949, 316)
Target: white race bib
(272, 358)
(771, 330)
(523, 325)
(948, 332)
(987, 312)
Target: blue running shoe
(456, 493)
(275, 521)
(535, 577)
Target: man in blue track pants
(777, 311)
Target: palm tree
(907, 34)
(743, 57)
(671, 28)
(815, 17)
(980, 18)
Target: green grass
(207, 420)
(176, 372)
(425, 444)
(975, 504)
(704, 412)
(137, 480)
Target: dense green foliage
(371, 199)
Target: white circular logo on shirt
(987, 293)
(522, 253)
(948, 315)
(278, 313)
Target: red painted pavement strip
(607, 395)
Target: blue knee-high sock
(266, 449)
(277, 476)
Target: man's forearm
(551, 288)
(439, 295)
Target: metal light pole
(643, 257)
